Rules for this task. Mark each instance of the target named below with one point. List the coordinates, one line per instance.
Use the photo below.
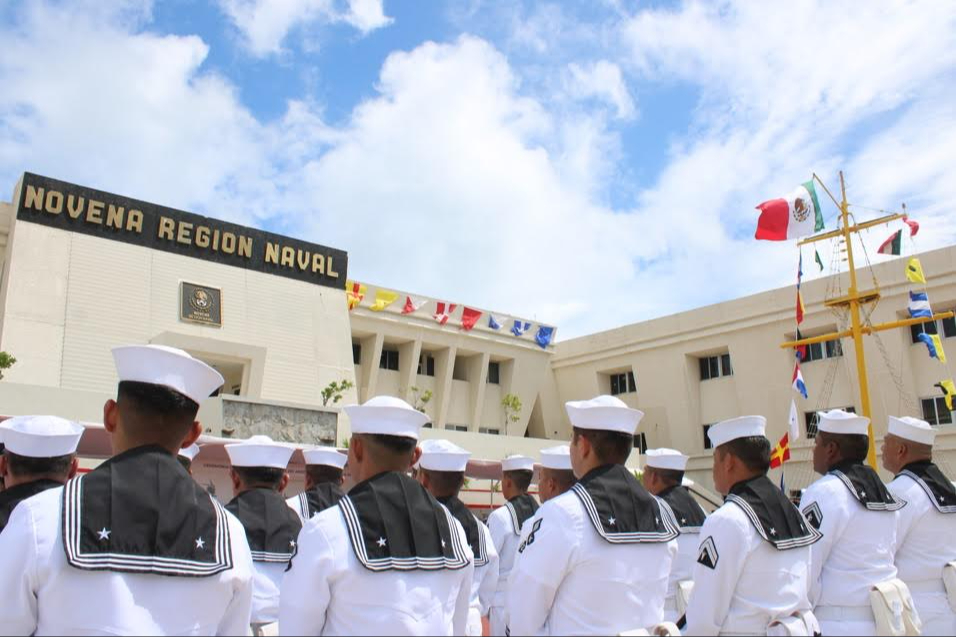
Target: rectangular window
(356, 353)
(389, 360)
(457, 427)
(494, 373)
(935, 411)
(426, 365)
(949, 327)
(715, 366)
(707, 444)
(623, 383)
(923, 328)
(812, 419)
(821, 351)
(640, 443)
(490, 431)
(834, 349)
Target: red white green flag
(893, 245)
(791, 217)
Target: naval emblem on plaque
(200, 304)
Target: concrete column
(444, 372)
(409, 355)
(478, 377)
(371, 357)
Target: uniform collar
(934, 483)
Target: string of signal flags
(356, 292)
(797, 215)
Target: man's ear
(74, 467)
(236, 481)
(110, 415)
(416, 456)
(3, 466)
(284, 482)
(194, 432)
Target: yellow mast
(854, 300)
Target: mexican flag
(791, 217)
(893, 245)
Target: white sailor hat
(326, 456)
(604, 413)
(912, 429)
(556, 458)
(386, 415)
(669, 459)
(259, 451)
(190, 452)
(168, 367)
(517, 463)
(443, 455)
(41, 436)
(736, 428)
(842, 422)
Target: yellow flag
(354, 292)
(383, 298)
(949, 388)
(914, 271)
(938, 344)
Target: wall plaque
(200, 304)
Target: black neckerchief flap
(772, 514)
(13, 496)
(689, 514)
(937, 486)
(141, 512)
(521, 508)
(319, 498)
(474, 533)
(395, 524)
(272, 528)
(865, 485)
(621, 509)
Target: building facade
(85, 270)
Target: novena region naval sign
(101, 214)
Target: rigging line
(879, 210)
(829, 194)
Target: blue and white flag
(919, 305)
(544, 336)
(495, 322)
(520, 328)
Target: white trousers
(497, 622)
(474, 622)
(937, 615)
(862, 629)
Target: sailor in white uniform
(926, 536)
(258, 478)
(389, 559)
(324, 477)
(663, 477)
(858, 518)
(557, 476)
(596, 559)
(40, 455)
(442, 472)
(752, 575)
(505, 524)
(148, 551)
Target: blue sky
(584, 163)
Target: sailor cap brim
(41, 436)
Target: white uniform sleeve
(305, 594)
(19, 579)
(499, 530)
(463, 603)
(908, 516)
(239, 612)
(293, 503)
(543, 558)
(826, 512)
(489, 574)
(721, 558)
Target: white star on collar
(381, 542)
(657, 520)
(862, 494)
(683, 520)
(773, 532)
(443, 543)
(292, 544)
(104, 534)
(611, 521)
(199, 543)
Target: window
(949, 327)
(623, 384)
(494, 373)
(489, 430)
(457, 427)
(935, 411)
(821, 351)
(426, 365)
(923, 328)
(812, 419)
(356, 353)
(715, 367)
(389, 360)
(707, 444)
(640, 443)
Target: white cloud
(603, 81)
(265, 24)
